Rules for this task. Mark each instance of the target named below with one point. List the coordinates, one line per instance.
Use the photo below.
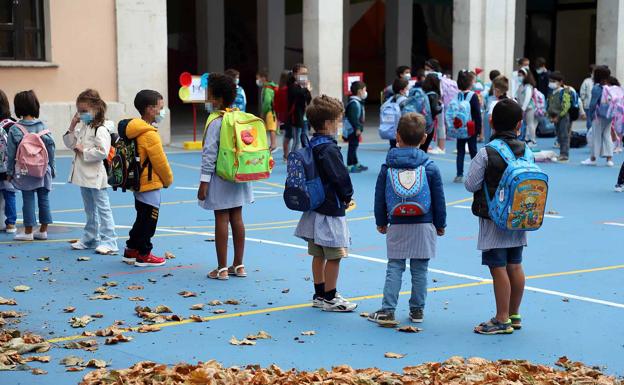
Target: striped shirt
(490, 235)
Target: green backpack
(244, 154)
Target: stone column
(521, 18)
(271, 36)
(484, 35)
(346, 33)
(399, 14)
(322, 45)
(210, 27)
(610, 36)
(142, 53)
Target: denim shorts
(502, 257)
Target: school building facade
(60, 47)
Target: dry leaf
(43, 259)
(235, 341)
(285, 291)
(38, 371)
(21, 288)
(219, 311)
(135, 287)
(83, 259)
(215, 302)
(80, 322)
(197, 306)
(107, 332)
(151, 280)
(88, 334)
(136, 299)
(72, 361)
(308, 333)
(187, 294)
(110, 284)
(75, 369)
(262, 335)
(169, 255)
(10, 314)
(117, 338)
(7, 301)
(148, 328)
(409, 329)
(393, 355)
(105, 297)
(96, 364)
(100, 290)
(162, 309)
(364, 315)
(38, 359)
(97, 315)
(69, 309)
(232, 302)
(196, 318)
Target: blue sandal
(494, 326)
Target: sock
(329, 295)
(319, 290)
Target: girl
(224, 197)
(489, 98)
(91, 145)
(27, 109)
(602, 144)
(524, 97)
(8, 212)
(431, 86)
(465, 82)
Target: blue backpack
(347, 127)
(520, 199)
(304, 190)
(407, 192)
(389, 115)
(418, 102)
(458, 115)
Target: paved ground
(572, 305)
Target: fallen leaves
(116, 339)
(105, 297)
(169, 255)
(136, 299)
(232, 302)
(75, 363)
(21, 288)
(148, 328)
(69, 309)
(38, 371)
(215, 302)
(394, 355)
(44, 359)
(135, 287)
(197, 306)
(86, 345)
(80, 322)
(83, 259)
(7, 301)
(219, 311)
(42, 259)
(244, 342)
(308, 333)
(162, 309)
(196, 318)
(262, 335)
(409, 329)
(110, 284)
(13, 344)
(187, 294)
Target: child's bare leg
(318, 270)
(238, 235)
(502, 292)
(332, 269)
(516, 279)
(222, 220)
(43, 228)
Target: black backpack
(125, 168)
(578, 139)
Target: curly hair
(222, 86)
(323, 108)
(92, 98)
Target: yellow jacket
(150, 147)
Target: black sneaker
(384, 318)
(361, 167)
(417, 315)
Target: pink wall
(83, 41)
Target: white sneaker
(318, 302)
(40, 235)
(79, 246)
(339, 305)
(11, 230)
(105, 250)
(436, 151)
(588, 162)
(610, 163)
(23, 237)
(619, 188)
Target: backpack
(458, 116)
(407, 192)
(574, 104)
(520, 199)
(111, 152)
(389, 115)
(244, 154)
(4, 137)
(448, 89)
(539, 100)
(124, 168)
(280, 104)
(578, 139)
(418, 102)
(611, 103)
(347, 127)
(304, 190)
(31, 158)
(434, 103)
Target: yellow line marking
(606, 268)
(281, 186)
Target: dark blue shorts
(502, 257)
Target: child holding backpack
(8, 212)
(559, 103)
(501, 248)
(30, 165)
(411, 224)
(390, 112)
(325, 227)
(215, 193)
(155, 174)
(601, 143)
(91, 146)
(353, 125)
(267, 111)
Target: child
(400, 89)
(299, 97)
(488, 100)
(224, 197)
(155, 175)
(8, 212)
(27, 109)
(431, 86)
(402, 72)
(408, 237)
(325, 229)
(585, 91)
(91, 145)
(356, 116)
(241, 99)
(465, 82)
(267, 111)
(524, 97)
(501, 249)
(601, 144)
(559, 103)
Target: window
(21, 30)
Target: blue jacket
(411, 157)
(596, 95)
(335, 178)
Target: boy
(402, 72)
(325, 228)
(559, 103)
(501, 249)
(155, 175)
(355, 114)
(400, 88)
(267, 111)
(299, 97)
(241, 99)
(410, 237)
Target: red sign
(350, 78)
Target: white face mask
(427, 73)
(364, 96)
(553, 85)
(407, 76)
(161, 115)
(302, 78)
(259, 82)
(209, 107)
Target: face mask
(302, 78)
(540, 70)
(553, 85)
(259, 82)
(427, 73)
(407, 77)
(237, 81)
(364, 95)
(521, 79)
(209, 107)
(526, 68)
(161, 116)
(86, 117)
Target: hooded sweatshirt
(411, 158)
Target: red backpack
(280, 104)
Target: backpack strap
(503, 150)
(212, 117)
(468, 96)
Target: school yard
(573, 304)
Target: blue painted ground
(579, 315)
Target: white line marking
(58, 183)
(614, 224)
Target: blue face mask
(161, 116)
(86, 117)
(209, 107)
